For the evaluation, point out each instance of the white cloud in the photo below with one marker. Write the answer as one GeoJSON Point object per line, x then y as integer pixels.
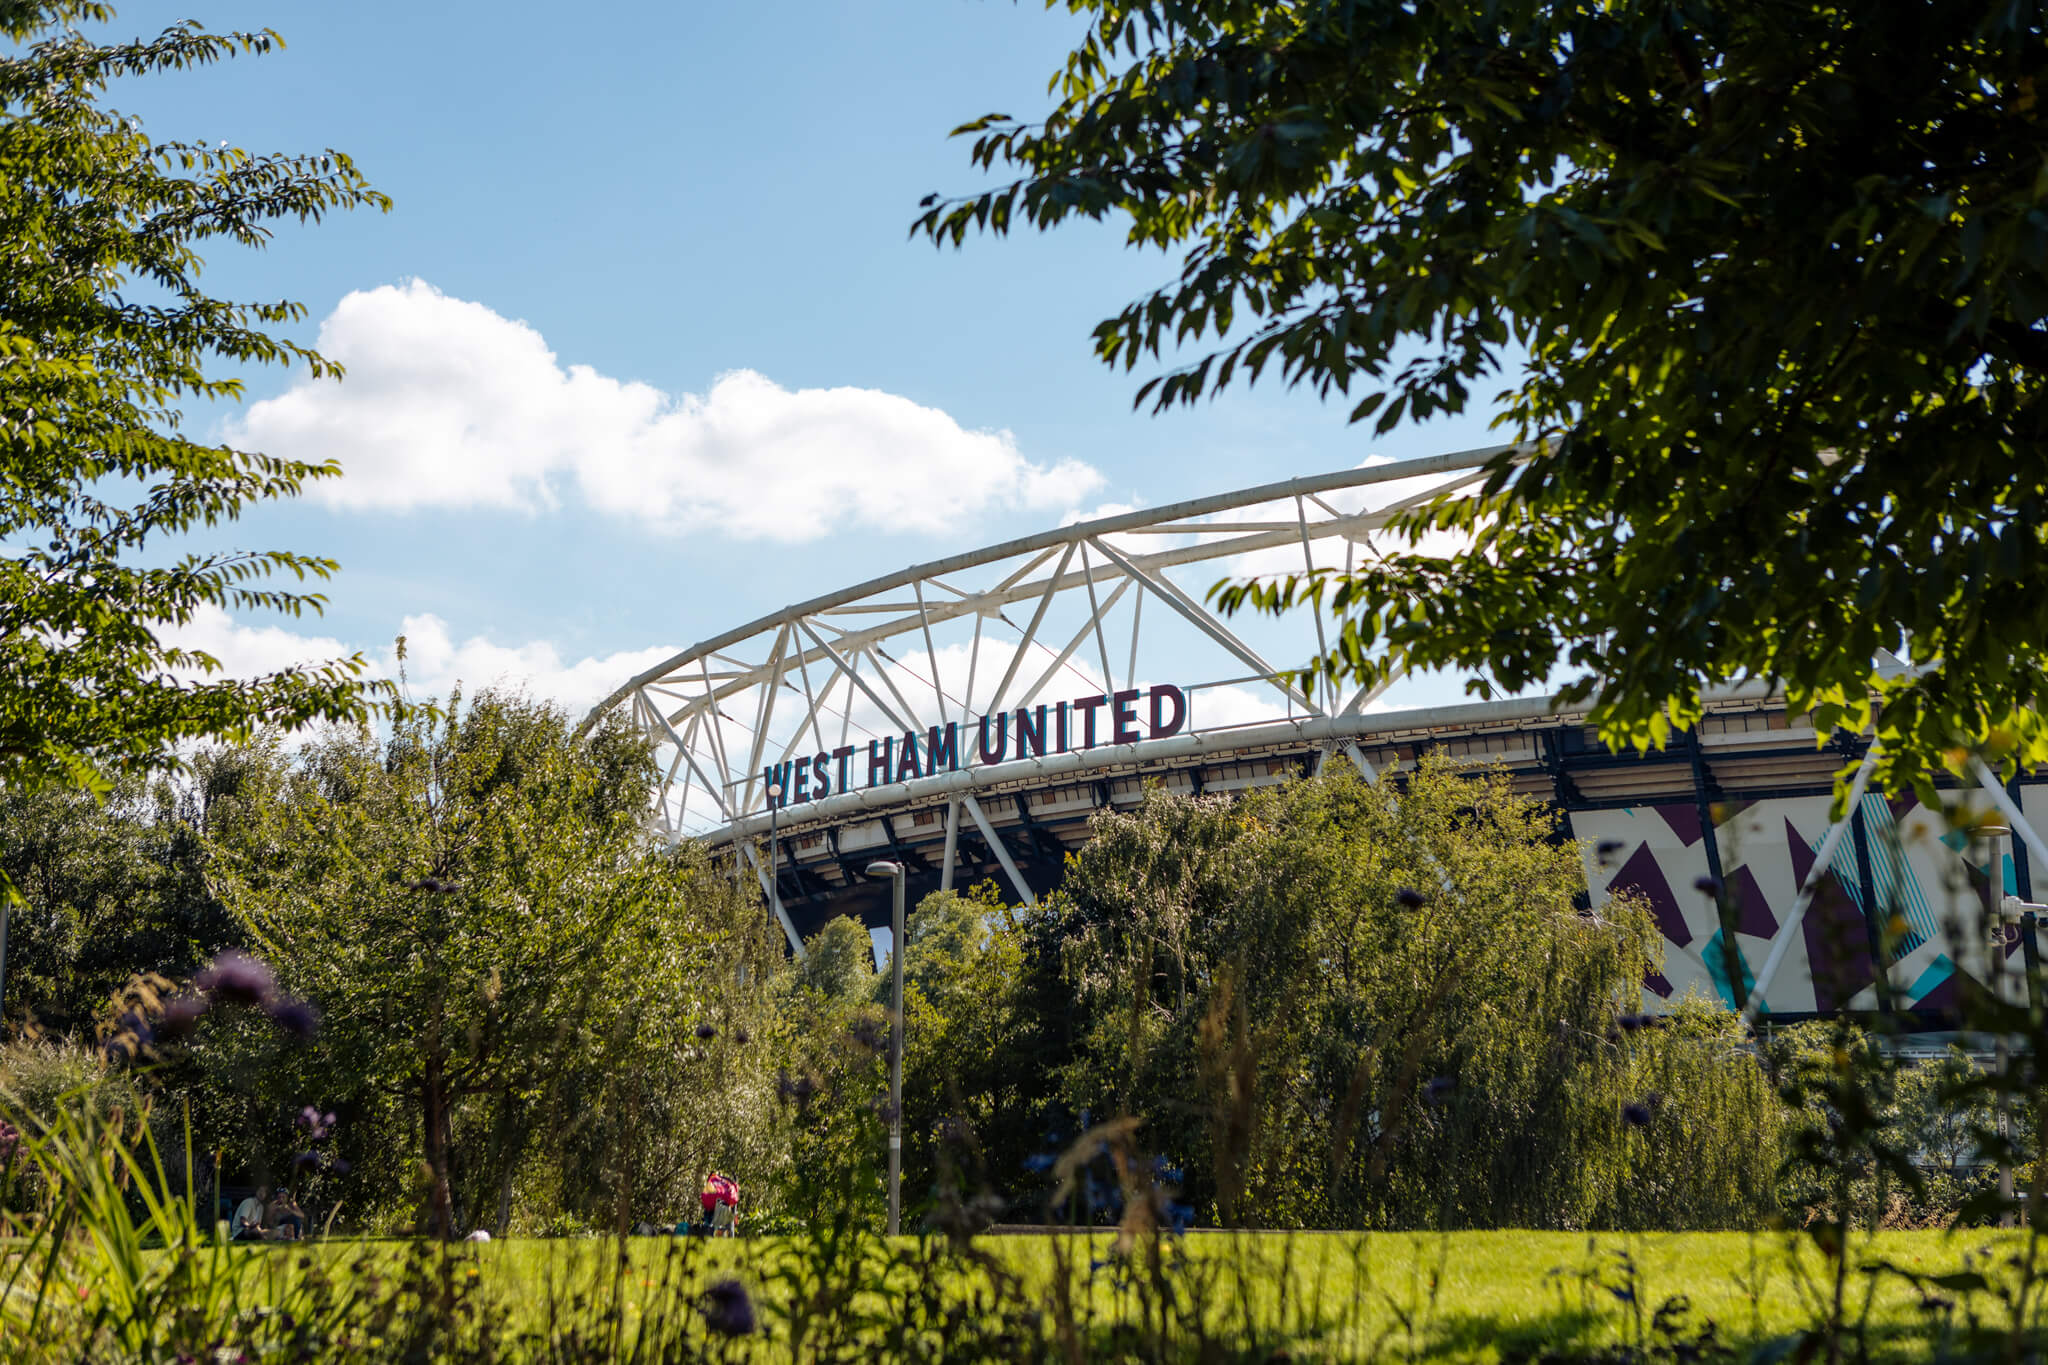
{"type": "Point", "coordinates": [248, 651]}
{"type": "Point", "coordinates": [448, 404]}
{"type": "Point", "coordinates": [435, 660]}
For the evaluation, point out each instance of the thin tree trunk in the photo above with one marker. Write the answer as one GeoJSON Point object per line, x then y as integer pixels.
{"type": "Point", "coordinates": [434, 1092]}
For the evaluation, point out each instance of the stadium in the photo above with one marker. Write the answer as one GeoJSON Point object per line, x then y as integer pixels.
{"type": "Point", "coordinates": [969, 716]}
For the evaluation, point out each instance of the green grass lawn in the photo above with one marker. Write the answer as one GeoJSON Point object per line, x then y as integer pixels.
{"type": "Point", "coordinates": [1458, 1296]}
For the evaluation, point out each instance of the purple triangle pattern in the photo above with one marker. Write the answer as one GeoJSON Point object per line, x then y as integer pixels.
{"type": "Point", "coordinates": [1752, 912]}
{"type": "Point", "coordinates": [1684, 821]}
{"type": "Point", "coordinates": [1642, 875]}
{"type": "Point", "coordinates": [1837, 939]}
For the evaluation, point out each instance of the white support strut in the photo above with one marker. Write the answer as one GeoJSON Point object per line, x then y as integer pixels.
{"type": "Point", "coordinates": [1823, 859]}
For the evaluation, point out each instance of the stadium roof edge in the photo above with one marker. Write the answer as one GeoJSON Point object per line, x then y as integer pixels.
{"type": "Point", "coordinates": [1193, 507]}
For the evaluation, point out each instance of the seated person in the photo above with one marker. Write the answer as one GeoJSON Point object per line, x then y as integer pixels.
{"type": "Point", "coordinates": [721, 1200]}
{"type": "Point", "coordinates": [247, 1224]}
{"type": "Point", "coordinates": [287, 1220]}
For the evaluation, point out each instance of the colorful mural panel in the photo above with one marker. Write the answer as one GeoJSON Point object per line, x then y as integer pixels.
{"type": "Point", "coordinates": [1906, 868]}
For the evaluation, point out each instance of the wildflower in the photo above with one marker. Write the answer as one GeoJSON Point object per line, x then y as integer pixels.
{"type": "Point", "coordinates": [180, 1016]}
{"type": "Point", "coordinates": [706, 1032]}
{"type": "Point", "coordinates": [1632, 1022]}
{"type": "Point", "coordinates": [1636, 1115]}
{"type": "Point", "coordinates": [1408, 898]}
{"type": "Point", "coordinates": [295, 1017]}
{"type": "Point", "coordinates": [304, 1160]}
{"type": "Point", "coordinates": [1707, 886]}
{"type": "Point", "coordinates": [339, 1166]}
{"type": "Point", "coordinates": [729, 1309]}
{"type": "Point", "coordinates": [316, 1124]}
{"type": "Point", "coordinates": [741, 1036]}
{"type": "Point", "coordinates": [236, 976]}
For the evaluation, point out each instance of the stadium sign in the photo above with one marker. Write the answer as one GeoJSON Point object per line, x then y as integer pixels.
{"type": "Point", "coordinates": [1027, 732]}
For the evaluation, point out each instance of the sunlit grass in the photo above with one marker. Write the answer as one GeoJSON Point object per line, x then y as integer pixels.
{"type": "Point", "coordinates": [1456, 1296]}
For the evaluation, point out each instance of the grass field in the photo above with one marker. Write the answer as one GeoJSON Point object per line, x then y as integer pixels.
{"type": "Point", "coordinates": [1458, 1296]}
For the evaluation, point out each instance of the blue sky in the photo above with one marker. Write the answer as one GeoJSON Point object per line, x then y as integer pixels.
{"type": "Point", "coordinates": [644, 350]}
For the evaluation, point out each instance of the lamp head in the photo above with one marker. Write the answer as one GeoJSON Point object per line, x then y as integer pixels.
{"type": "Point", "coordinates": [885, 868]}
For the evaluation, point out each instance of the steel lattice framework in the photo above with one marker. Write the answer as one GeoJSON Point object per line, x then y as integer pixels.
{"type": "Point", "coordinates": [1012, 626]}
{"type": "Point", "coordinates": [885, 712]}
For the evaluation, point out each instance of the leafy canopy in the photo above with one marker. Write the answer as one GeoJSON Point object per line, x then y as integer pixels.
{"type": "Point", "coordinates": [1766, 281]}
{"type": "Point", "coordinates": [104, 333]}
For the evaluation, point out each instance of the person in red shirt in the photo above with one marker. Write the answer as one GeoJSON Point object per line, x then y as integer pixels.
{"type": "Point", "coordinates": [719, 1189]}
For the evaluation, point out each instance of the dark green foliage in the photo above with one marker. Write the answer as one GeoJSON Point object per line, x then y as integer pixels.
{"type": "Point", "coordinates": [1339, 1005]}
{"type": "Point", "coordinates": [104, 333]}
{"type": "Point", "coordinates": [1769, 280]}
{"type": "Point", "coordinates": [110, 886]}
{"type": "Point", "coordinates": [507, 970]}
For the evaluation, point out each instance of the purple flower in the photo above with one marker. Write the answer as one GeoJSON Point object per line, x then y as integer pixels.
{"type": "Point", "coordinates": [1408, 898]}
{"type": "Point", "coordinates": [740, 1035]}
{"type": "Point", "coordinates": [316, 1124]}
{"type": "Point", "coordinates": [1636, 1115]}
{"type": "Point", "coordinates": [1439, 1089]}
{"type": "Point", "coordinates": [234, 975]}
{"type": "Point", "coordinates": [706, 1032]}
{"type": "Point", "coordinates": [295, 1017]}
{"type": "Point", "coordinates": [433, 886]}
{"type": "Point", "coordinates": [1632, 1022]}
{"type": "Point", "coordinates": [729, 1309]}
{"type": "Point", "coordinates": [1607, 850]}
{"type": "Point", "coordinates": [338, 1166]}
{"type": "Point", "coordinates": [180, 1016]}
{"type": "Point", "coordinates": [305, 1159]}
{"type": "Point", "coordinates": [1707, 886]}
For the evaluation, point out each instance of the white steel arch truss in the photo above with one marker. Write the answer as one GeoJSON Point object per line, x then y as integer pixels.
{"type": "Point", "coordinates": [888, 692]}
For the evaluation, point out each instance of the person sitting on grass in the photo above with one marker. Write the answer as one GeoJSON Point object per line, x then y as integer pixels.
{"type": "Point", "coordinates": [247, 1224]}
{"type": "Point", "coordinates": [287, 1219]}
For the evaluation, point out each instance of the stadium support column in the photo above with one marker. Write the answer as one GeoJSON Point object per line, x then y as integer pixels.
{"type": "Point", "coordinates": [1873, 915]}
{"type": "Point", "coordinates": [1000, 849]}
{"type": "Point", "coordinates": [952, 844]}
{"type": "Point", "coordinates": [1738, 992]}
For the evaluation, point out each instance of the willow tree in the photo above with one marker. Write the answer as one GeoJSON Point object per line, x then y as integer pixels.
{"type": "Point", "coordinates": [1337, 1004]}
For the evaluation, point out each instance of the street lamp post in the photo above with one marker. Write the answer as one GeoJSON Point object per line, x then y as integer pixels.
{"type": "Point", "coordinates": [774, 872]}
{"type": "Point", "coordinates": [1994, 898]}
{"type": "Point", "coordinates": [894, 872]}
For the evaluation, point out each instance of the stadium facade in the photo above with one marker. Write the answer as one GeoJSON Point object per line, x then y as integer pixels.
{"type": "Point", "coordinates": [968, 717]}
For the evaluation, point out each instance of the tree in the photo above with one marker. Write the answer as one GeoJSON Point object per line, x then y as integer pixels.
{"type": "Point", "coordinates": [104, 333]}
{"type": "Point", "coordinates": [507, 969]}
{"type": "Point", "coordinates": [1767, 281]}
{"type": "Point", "coordinates": [1339, 1005]}
{"type": "Point", "coordinates": [839, 960]}
{"type": "Point", "coordinates": [113, 885]}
